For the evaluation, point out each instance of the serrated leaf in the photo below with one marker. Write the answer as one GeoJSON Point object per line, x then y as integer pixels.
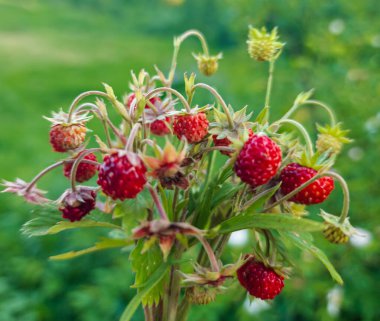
{"type": "Point", "coordinates": [307, 245]}
{"type": "Point", "coordinates": [45, 219]}
{"type": "Point", "coordinates": [132, 211]}
{"type": "Point", "coordinates": [268, 221]}
{"type": "Point", "coordinates": [101, 245]}
{"type": "Point", "coordinates": [144, 264]}
{"type": "Point", "coordinates": [154, 280]}
{"type": "Point", "coordinates": [49, 221]}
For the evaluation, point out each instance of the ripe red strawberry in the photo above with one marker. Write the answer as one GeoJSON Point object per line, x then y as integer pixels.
{"type": "Point", "coordinates": [226, 142]}
{"type": "Point", "coordinates": [222, 142]}
{"type": "Point", "coordinates": [260, 281]}
{"type": "Point", "coordinates": [132, 96]}
{"type": "Point", "coordinates": [84, 171]}
{"type": "Point", "coordinates": [193, 127]}
{"type": "Point", "coordinates": [122, 175]}
{"type": "Point", "coordinates": [64, 137]}
{"type": "Point", "coordinates": [294, 175]}
{"type": "Point", "coordinates": [160, 127]}
{"type": "Point", "coordinates": [258, 160]}
{"type": "Point", "coordinates": [75, 205]}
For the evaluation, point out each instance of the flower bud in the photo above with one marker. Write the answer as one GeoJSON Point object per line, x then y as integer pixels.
{"type": "Point", "coordinates": [331, 139]}
{"type": "Point", "coordinates": [334, 234]}
{"type": "Point", "coordinates": [263, 46]}
{"type": "Point", "coordinates": [200, 295]}
{"type": "Point", "coordinates": [208, 65]}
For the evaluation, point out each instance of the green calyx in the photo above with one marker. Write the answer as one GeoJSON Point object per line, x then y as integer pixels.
{"type": "Point", "coordinates": [221, 126]}
{"type": "Point", "coordinates": [331, 138]}
{"type": "Point", "coordinates": [336, 232]}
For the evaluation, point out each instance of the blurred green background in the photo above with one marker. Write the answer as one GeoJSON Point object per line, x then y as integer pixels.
{"type": "Point", "coordinates": [52, 50]}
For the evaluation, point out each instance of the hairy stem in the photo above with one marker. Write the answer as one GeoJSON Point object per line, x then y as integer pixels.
{"type": "Point", "coordinates": [131, 138]}
{"type": "Point", "coordinates": [177, 45]}
{"type": "Point", "coordinates": [172, 91]}
{"type": "Point", "coordinates": [346, 195]}
{"type": "Point", "coordinates": [269, 88]}
{"type": "Point", "coordinates": [80, 97]}
{"type": "Point", "coordinates": [292, 193]}
{"type": "Point", "coordinates": [41, 174]}
{"type": "Point", "coordinates": [221, 101]}
{"type": "Point", "coordinates": [210, 253]}
{"type": "Point", "coordinates": [302, 130]}
{"type": "Point", "coordinates": [157, 202]}
{"type": "Point", "coordinates": [76, 163]}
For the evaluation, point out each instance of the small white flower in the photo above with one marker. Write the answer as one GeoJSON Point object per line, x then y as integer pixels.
{"type": "Point", "coordinates": [334, 301]}
{"type": "Point", "coordinates": [238, 238]}
{"type": "Point", "coordinates": [361, 239]}
{"type": "Point", "coordinates": [337, 26]}
{"type": "Point", "coordinates": [256, 306]}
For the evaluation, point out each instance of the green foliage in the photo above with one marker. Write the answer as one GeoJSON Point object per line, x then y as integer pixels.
{"type": "Point", "coordinates": [50, 51]}
{"type": "Point", "coordinates": [145, 289]}
{"type": "Point", "coordinates": [268, 221]}
{"type": "Point", "coordinates": [145, 264]}
{"type": "Point", "coordinates": [304, 243]}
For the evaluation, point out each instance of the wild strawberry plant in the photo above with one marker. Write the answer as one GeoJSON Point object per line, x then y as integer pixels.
{"type": "Point", "coordinates": [175, 179]}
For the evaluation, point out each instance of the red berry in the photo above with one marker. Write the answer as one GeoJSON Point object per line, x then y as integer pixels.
{"type": "Point", "coordinates": [160, 127]}
{"type": "Point", "coordinates": [75, 210]}
{"type": "Point", "coordinates": [226, 142]}
{"type": "Point", "coordinates": [193, 127]}
{"type": "Point", "coordinates": [222, 142]}
{"type": "Point", "coordinates": [258, 160]}
{"type": "Point", "coordinates": [294, 175]}
{"type": "Point", "coordinates": [67, 137]}
{"type": "Point", "coordinates": [122, 176]}
{"type": "Point", "coordinates": [260, 281]}
{"type": "Point", "coordinates": [132, 96]}
{"type": "Point", "coordinates": [84, 171]}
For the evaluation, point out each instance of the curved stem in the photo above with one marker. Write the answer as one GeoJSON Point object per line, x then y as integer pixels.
{"type": "Point", "coordinates": [105, 121]}
{"type": "Point", "coordinates": [131, 138]}
{"type": "Point", "coordinates": [292, 193]}
{"type": "Point", "coordinates": [210, 253]}
{"type": "Point", "coordinates": [199, 35]}
{"type": "Point", "coordinates": [220, 99]}
{"type": "Point", "coordinates": [346, 195]}
{"type": "Point", "coordinates": [157, 202]}
{"type": "Point", "coordinates": [302, 130]}
{"type": "Point", "coordinates": [76, 163]}
{"type": "Point", "coordinates": [80, 97]}
{"type": "Point", "coordinates": [172, 91]}
{"type": "Point", "coordinates": [315, 103]}
{"type": "Point", "coordinates": [41, 174]}
{"type": "Point", "coordinates": [325, 107]}
{"type": "Point", "coordinates": [177, 44]}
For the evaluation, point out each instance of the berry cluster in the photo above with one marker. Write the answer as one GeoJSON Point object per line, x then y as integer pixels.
{"type": "Point", "coordinates": [168, 147]}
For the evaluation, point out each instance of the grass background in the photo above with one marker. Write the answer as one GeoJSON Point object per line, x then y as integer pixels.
{"type": "Point", "coordinates": [50, 51]}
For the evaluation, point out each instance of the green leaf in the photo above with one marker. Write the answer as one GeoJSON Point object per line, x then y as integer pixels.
{"type": "Point", "coordinates": [155, 279]}
{"type": "Point", "coordinates": [268, 221]}
{"type": "Point", "coordinates": [259, 200]}
{"type": "Point", "coordinates": [44, 220]}
{"type": "Point", "coordinates": [64, 225]}
{"type": "Point", "coordinates": [101, 245]}
{"type": "Point", "coordinates": [144, 264]}
{"type": "Point", "coordinates": [210, 196]}
{"type": "Point", "coordinates": [49, 221]}
{"type": "Point", "coordinates": [132, 211]}
{"type": "Point", "coordinates": [307, 245]}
